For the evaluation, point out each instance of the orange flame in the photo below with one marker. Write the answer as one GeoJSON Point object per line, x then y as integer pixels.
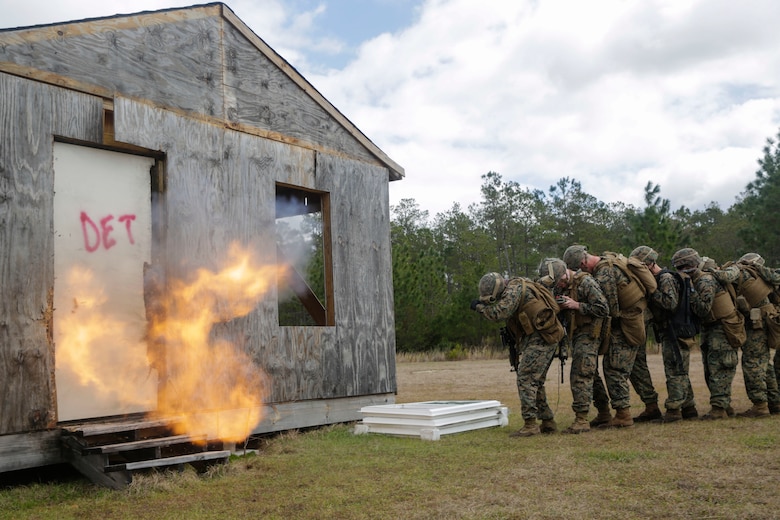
{"type": "Point", "coordinates": [207, 382]}
{"type": "Point", "coordinates": [210, 384]}
{"type": "Point", "coordinates": [86, 330]}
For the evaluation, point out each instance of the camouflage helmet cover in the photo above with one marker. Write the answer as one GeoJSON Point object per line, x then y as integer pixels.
{"type": "Point", "coordinates": [686, 258]}
{"type": "Point", "coordinates": [751, 259]}
{"type": "Point", "coordinates": [645, 254]}
{"type": "Point", "coordinates": [551, 270]}
{"type": "Point", "coordinates": [573, 256]}
{"type": "Point", "coordinates": [491, 286]}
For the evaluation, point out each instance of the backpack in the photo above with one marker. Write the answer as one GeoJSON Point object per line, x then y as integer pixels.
{"type": "Point", "coordinates": [683, 323]}
{"type": "Point", "coordinates": [635, 270]}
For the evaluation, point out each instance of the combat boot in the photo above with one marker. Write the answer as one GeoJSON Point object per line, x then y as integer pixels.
{"type": "Point", "coordinates": [530, 428]}
{"type": "Point", "coordinates": [672, 416]}
{"type": "Point", "coordinates": [622, 419]}
{"type": "Point", "coordinates": [650, 413]}
{"type": "Point", "coordinates": [757, 411]}
{"type": "Point", "coordinates": [548, 426]}
{"type": "Point", "coordinates": [774, 408]}
{"type": "Point", "coordinates": [716, 413]}
{"type": "Point", "coordinates": [603, 417]}
{"type": "Point", "coordinates": [690, 412]}
{"type": "Point", "coordinates": [580, 424]}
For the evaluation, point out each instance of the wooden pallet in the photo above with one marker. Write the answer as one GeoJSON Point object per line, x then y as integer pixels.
{"type": "Point", "coordinates": [109, 452]}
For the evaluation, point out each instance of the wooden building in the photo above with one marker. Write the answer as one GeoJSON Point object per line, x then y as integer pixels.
{"type": "Point", "coordinates": [162, 138]}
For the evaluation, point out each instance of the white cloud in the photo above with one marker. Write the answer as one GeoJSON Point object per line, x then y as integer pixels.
{"type": "Point", "coordinates": [612, 93]}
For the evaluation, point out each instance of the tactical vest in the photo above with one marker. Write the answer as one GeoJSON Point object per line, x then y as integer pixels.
{"type": "Point", "coordinates": [756, 289]}
{"type": "Point", "coordinates": [539, 314]}
{"type": "Point", "coordinates": [630, 294]}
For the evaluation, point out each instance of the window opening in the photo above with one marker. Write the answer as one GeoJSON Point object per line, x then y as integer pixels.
{"type": "Point", "coordinates": [302, 235]}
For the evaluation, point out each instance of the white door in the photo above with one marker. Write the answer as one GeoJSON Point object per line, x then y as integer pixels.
{"type": "Point", "coordinates": [102, 237]}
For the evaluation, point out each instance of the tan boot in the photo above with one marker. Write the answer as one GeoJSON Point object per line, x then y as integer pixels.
{"type": "Point", "coordinates": [603, 417]}
{"type": "Point", "coordinates": [530, 428]}
{"type": "Point", "coordinates": [650, 413]}
{"type": "Point", "coordinates": [623, 418]}
{"type": "Point", "coordinates": [757, 411]}
{"type": "Point", "coordinates": [580, 424]}
{"type": "Point", "coordinates": [548, 426]}
{"type": "Point", "coordinates": [716, 413]}
{"type": "Point", "coordinates": [672, 416]}
{"type": "Point", "coordinates": [730, 412]}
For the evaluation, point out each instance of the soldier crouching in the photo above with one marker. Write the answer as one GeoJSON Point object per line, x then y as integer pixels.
{"type": "Point", "coordinates": [530, 313]}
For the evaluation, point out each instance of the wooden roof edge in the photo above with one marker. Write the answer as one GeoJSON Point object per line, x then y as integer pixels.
{"type": "Point", "coordinates": [396, 171]}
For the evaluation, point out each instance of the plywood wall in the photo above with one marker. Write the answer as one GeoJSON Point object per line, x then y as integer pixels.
{"type": "Point", "coordinates": [30, 114]}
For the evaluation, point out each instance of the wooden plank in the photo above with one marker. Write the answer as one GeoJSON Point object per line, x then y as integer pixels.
{"type": "Point", "coordinates": [31, 114]}
{"type": "Point", "coordinates": [169, 461]}
{"type": "Point", "coordinates": [92, 467]}
{"type": "Point", "coordinates": [30, 450]}
{"type": "Point", "coordinates": [87, 429]}
{"type": "Point", "coordinates": [160, 442]}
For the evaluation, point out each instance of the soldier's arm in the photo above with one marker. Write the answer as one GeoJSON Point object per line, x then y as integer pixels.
{"type": "Point", "coordinates": [703, 296]}
{"type": "Point", "coordinates": [666, 296]}
{"type": "Point", "coordinates": [503, 308]}
{"type": "Point", "coordinates": [592, 300]}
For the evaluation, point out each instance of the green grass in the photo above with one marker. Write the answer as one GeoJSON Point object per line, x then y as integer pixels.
{"type": "Point", "coordinates": [689, 469]}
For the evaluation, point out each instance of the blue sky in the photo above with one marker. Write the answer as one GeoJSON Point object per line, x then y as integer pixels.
{"type": "Point", "coordinates": [612, 93]}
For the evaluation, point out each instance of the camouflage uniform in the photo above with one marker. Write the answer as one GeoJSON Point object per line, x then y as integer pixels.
{"type": "Point", "coordinates": [640, 377]}
{"type": "Point", "coordinates": [718, 356]}
{"type": "Point", "coordinates": [678, 384]}
{"type": "Point", "coordinates": [586, 337]}
{"type": "Point", "coordinates": [755, 351]}
{"type": "Point", "coordinates": [536, 355]}
{"type": "Point", "coordinates": [620, 356]}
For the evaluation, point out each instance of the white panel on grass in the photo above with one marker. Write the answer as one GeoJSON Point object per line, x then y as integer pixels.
{"type": "Point", "coordinates": [431, 419]}
{"type": "Point", "coordinates": [102, 237]}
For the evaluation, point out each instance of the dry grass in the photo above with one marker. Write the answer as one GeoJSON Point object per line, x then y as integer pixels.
{"type": "Point", "coordinates": [692, 469]}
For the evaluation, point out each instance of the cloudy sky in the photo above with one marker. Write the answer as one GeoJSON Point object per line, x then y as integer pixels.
{"type": "Point", "coordinates": [612, 93]}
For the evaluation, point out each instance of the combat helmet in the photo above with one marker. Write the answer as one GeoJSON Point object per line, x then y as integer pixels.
{"type": "Point", "coordinates": [573, 256]}
{"type": "Point", "coordinates": [645, 254]}
{"type": "Point", "coordinates": [686, 259]}
{"type": "Point", "coordinates": [491, 286]}
{"type": "Point", "coordinates": [551, 270]}
{"type": "Point", "coordinates": [751, 259]}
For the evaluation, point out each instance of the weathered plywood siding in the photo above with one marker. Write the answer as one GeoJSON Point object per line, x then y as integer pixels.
{"type": "Point", "coordinates": [30, 115]}
{"type": "Point", "coordinates": [221, 187]}
{"type": "Point", "coordinates": [362, 359]}
{"type": "Point", "coordinates": [173, 58]}
{"type": "Point", "coordinates": [259, 94]}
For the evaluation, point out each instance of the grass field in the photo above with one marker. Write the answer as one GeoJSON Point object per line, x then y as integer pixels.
{"type": "Point", "coordinates": [692, 469]}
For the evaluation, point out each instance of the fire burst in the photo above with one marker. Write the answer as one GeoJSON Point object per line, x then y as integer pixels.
{"type": "Point", "coordinates": [211, 384]}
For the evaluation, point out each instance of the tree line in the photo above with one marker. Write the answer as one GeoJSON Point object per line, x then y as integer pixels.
{"type": "Point", "coordinates": [437, 262]}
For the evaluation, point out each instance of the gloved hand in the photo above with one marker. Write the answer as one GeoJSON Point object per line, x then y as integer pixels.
{"type": "Point", "coordinates": [474, 304]}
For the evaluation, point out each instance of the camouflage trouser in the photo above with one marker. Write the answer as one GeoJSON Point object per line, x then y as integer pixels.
{"type": "Point", "coordinates": [755, 359]}
{"type": "Point", "coordinates": [640, 377]}
{"type": "Point", "coordinates": [531, 374]}
{"type": "Point", "coordinates": [584, 361]}
{"type": "Point", "coordinates": [720, 364]}
{"type": "Point", "coordinates": [772, 390]}
{"type": "Point", "coordinates": [678, 384]}
{"type": "Point", "coordinates": [617, 365]}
